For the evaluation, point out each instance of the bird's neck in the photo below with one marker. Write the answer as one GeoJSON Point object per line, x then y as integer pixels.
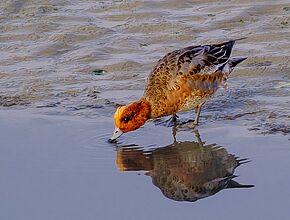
{"type": "Point", "coordinates": [145, 108]}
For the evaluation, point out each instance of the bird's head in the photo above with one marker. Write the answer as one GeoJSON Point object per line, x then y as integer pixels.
{"type": "Point", "coordinates": [130, 117]}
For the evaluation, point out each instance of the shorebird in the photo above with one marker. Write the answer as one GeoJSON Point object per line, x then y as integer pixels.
{"type": "Point", "coordinates": [181, 81]}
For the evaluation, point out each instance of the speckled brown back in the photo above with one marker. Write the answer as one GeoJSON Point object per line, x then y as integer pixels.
{"type": "Point", "coordinates": [185, 78]}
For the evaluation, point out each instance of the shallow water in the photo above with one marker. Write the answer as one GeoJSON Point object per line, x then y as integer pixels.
{"type": "Point", "coordinates": [65, 65]}
{"type": "Point", "coordinates": [59, 168]}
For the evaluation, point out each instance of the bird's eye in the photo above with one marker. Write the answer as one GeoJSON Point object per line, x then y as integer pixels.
{"type": "Point", "coordinates": [126, 118]}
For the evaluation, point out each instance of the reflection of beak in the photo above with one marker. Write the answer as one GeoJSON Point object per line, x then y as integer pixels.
{"type": "Point", "coordinates": [117, 133]}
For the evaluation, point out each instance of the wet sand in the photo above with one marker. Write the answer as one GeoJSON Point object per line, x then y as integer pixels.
{"type": "Point", "coordinates": [83, 58]}
{"type": "Point", "coordinates": [65, 65]}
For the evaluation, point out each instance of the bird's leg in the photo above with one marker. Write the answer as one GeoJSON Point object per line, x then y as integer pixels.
{"type": "Point", "coordinates": [198, 138]}
{"type": "Point", "coordinates": [174, 117]}
{"type": "Point", "coordinates": [172, 121]}
{"type": "Point", "coordinates": [174, 130]}
{"type": "Point", "coordinates": [194, 124]}
{"type": "Point", "coordinates": [197, 113]}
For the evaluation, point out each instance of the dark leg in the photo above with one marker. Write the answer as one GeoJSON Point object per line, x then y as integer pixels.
{"type": "Point", "coordinates": [172, 121]}
{"type": "Point", "coordinates": [174, 130]}
{"type": "Point", "coordinates": [174, 118]}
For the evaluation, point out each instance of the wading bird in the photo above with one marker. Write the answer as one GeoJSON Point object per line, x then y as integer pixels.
{"type": "Point", "coordinates": [181, 81]}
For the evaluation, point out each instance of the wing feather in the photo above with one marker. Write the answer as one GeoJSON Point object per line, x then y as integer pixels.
{"type": "Point", "coordinates": [193, 68]}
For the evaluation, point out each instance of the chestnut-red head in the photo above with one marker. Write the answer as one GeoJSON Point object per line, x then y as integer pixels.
{"type": "Point", "coordinates": [130, 117]}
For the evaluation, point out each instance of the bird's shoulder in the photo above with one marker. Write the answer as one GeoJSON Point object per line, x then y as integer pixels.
{"type": "Point", "coordinates": [187, 62]}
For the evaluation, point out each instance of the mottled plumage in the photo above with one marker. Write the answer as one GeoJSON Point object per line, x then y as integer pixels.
{"type": "Point", "coordinates": [185, 78]}
{"type": "Point", "coordinates": [182, 80]}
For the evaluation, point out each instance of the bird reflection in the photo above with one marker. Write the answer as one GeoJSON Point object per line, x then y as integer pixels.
{"type": "Point", "coordinates": [184, 171]}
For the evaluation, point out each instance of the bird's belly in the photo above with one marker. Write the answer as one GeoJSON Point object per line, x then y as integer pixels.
{"type": "Point", "coordinates": [190, 104]}
{"type": "Point", "coordinates": [193, 101]}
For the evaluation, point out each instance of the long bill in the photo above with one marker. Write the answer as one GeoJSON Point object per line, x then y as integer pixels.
{"type": "Point", "coordinates": [117, 133]}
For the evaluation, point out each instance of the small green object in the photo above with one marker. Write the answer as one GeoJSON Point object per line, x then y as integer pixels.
{"type": "Point", "coordinates": [286, 8]}
{"type": "Point", "coordinates": [99, 72]}
{"type": "Point", "coordinates": [210, 15]}
{"type": "Point", "coordinates": [242, 21]}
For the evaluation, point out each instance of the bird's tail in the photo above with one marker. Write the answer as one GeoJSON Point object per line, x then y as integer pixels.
{"type": "Point", "coordinates": [228, 67]}
{"type": "Point", "coordinates": [235, 61]}
{"type": "Point", "coordinates": [233, 184]}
